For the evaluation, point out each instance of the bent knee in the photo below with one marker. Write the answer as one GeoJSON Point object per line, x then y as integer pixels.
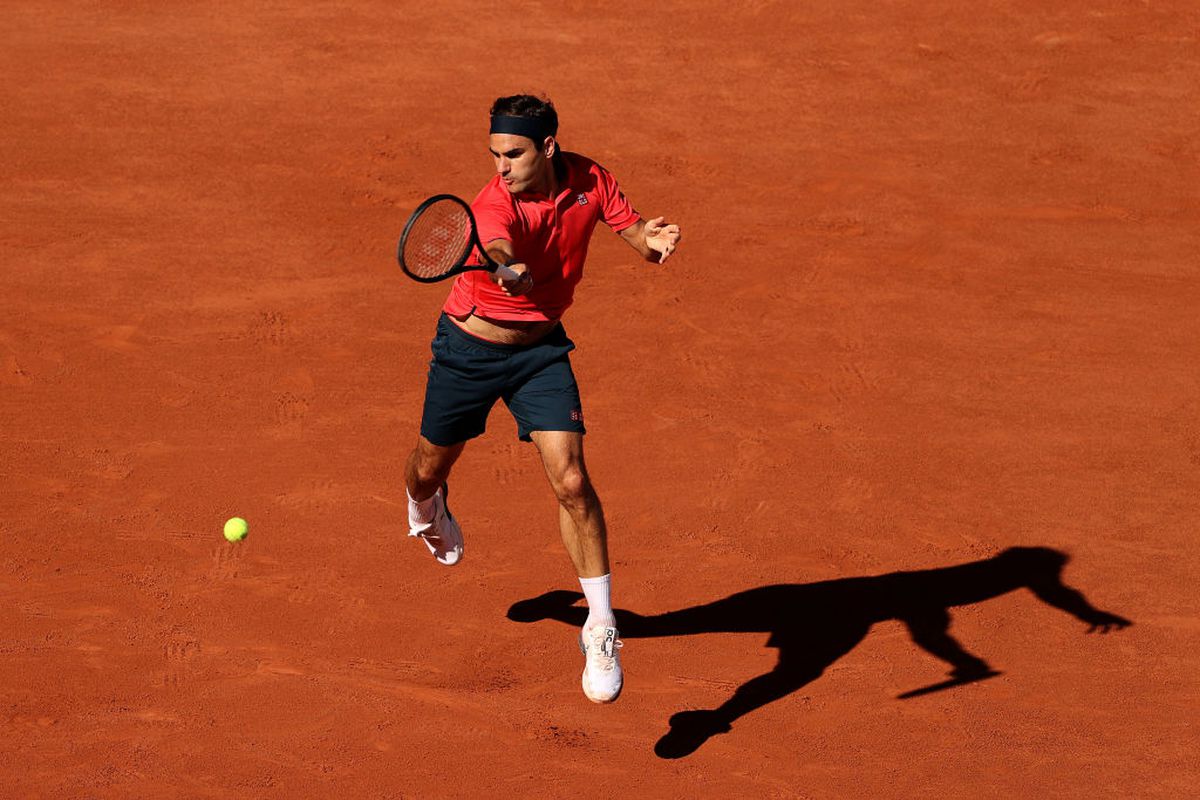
{"type": "Point", "coordinates": [428, 469]}
{"type": "Point", "coordinates": [427, 472]}
{"type": "Point", "coordinates": [573, 488]}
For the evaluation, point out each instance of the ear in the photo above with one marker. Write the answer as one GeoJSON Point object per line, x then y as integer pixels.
{"type": "Point", "coordinates": [550, 146]}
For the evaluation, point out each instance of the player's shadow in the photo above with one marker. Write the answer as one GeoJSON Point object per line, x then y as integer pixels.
{"type": "Point", "coordinates": [814, 624]}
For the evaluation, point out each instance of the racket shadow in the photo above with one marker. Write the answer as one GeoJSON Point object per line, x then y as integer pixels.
{"type": "Point", "coordinates": [812, 625]}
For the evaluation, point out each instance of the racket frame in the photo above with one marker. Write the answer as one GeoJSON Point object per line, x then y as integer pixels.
{"type": "Point", "coordinates": [489, 265]}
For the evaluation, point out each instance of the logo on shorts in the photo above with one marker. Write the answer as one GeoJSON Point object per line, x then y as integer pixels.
{"type": "Point", "coordinates": [577, 415]}
{"type": "Point", "coordinates": [581, 198]}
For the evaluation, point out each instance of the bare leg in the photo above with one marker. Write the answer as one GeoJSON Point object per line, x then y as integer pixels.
{"type": "Point", "coordinates": [429, 466]}
{"type": "Point", "coordinates": [581, 521]}
{"type": "Point", "coordinates": [580, 516]}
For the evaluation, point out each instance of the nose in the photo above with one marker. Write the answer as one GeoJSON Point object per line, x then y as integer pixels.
{"type": "Point", "coordinates": [502, 165]}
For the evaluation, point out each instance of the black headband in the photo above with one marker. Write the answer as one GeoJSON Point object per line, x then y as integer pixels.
{"type": "Point", "coordinates": [528, 127]}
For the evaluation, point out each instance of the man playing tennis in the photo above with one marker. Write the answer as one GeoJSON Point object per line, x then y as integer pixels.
{"type": "Point", "coordinates": [502, 339]}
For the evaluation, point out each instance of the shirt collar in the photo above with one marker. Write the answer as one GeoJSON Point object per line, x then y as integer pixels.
{"type": "Point", "coordinates": [564, 170]}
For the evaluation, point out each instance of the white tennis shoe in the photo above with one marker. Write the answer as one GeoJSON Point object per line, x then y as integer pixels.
{"type": "Point", "coordinates": [442, 536]}
{"type": "Point", "coordinates": [602, 676]}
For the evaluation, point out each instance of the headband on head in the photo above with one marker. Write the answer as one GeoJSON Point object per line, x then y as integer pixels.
{"type": "Point", "coordinates": [528, 127]}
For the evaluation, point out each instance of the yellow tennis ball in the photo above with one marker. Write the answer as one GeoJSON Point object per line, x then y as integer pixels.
{"type": "Point", "coordinates": [236, 529]}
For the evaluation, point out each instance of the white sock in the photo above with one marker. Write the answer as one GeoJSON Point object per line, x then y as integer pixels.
{"type": "Point", "coordinates": [598, 594]}
{"type": "Point", "coordinates": [419, 513]}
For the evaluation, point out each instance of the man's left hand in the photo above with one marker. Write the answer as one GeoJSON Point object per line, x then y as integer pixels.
{"type": "Point", "coordinates": [661, 237]}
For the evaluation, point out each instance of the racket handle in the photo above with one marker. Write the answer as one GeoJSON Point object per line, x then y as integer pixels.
{"type": "Point", "coordinates": [507, 273]}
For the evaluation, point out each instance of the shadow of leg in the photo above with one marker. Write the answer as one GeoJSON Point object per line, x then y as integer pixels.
{"type": "Point", "coordinates": [691, 729]}
{"type": "Point", "coordinates": [805, 651]}
{"type": "Point", "coordinates": [556, 605]}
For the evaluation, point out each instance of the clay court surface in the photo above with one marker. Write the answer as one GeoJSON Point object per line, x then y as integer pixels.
{"type": "Point", "coordinates": [937, 298]}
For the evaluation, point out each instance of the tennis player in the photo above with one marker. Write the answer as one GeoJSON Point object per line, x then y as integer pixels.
{"type": "Point", "coordinates": [503, 339]}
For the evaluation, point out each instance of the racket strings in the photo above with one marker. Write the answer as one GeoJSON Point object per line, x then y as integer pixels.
{"type": "Point", "coordinates": [438, 240]}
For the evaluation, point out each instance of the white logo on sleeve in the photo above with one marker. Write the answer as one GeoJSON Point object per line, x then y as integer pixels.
{"type": "Point", "coordinates": [581, 198]}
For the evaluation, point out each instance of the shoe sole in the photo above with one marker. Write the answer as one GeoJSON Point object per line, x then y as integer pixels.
{"type": "Point", "coordinates": [459, 550]}
{"type": "Point", "coordinates": [449, 516]}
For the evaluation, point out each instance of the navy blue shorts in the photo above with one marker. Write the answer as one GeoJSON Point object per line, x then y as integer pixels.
{"type": "Point", "coordinates": [468, 375]}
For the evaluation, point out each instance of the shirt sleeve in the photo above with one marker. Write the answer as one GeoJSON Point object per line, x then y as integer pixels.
{"type": "Point", "coordinates": [494, 215]}
{"type": "Point", "coordinates": [616, 210]}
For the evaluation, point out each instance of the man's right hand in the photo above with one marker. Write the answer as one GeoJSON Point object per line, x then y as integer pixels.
{"type": "Point", "coordinates": [518, 287]}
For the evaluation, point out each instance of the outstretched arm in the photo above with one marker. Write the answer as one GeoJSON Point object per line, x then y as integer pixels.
{"type": "Point", "coordinates": [655, 239]}
{"type": "Point", "coordinates": [930, 630]}
{"type": "Point", "coordinates": [1061, 596]}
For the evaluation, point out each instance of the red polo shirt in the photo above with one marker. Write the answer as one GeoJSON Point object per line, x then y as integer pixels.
{"type": "Point", "coordinates": [549, 235]}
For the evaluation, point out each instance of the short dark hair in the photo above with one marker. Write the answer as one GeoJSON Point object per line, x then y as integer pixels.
{"type": "Point", "coordinates": [526, 105]}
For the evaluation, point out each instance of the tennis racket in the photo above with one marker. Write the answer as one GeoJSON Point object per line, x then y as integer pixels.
{"type": "Point", "coordinates": [439, 239]}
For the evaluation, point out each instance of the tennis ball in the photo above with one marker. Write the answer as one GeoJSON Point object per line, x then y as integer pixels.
{"type": "Point", "coordinates": [236, 529]}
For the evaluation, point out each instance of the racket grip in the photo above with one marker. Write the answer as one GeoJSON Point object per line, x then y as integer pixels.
{"type": "Point", "coordinates": [507, 273]}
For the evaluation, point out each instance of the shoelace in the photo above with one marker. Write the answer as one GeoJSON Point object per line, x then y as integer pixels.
{"type": "Point", "coordinates": [428, 535]}
{"type": "Point", "coordinates": [607, 661]}
{"type": "Point", "coordinates": [430, 532]}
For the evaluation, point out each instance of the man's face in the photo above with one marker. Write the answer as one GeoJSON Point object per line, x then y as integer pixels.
{"type": "Point", "coordinates": [521, 164]}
